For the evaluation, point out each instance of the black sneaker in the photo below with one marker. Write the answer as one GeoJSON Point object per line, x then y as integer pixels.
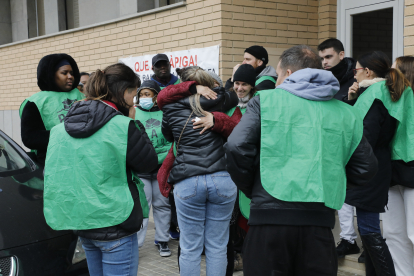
{"type": "Point", "coordinates": [361, 258]}
{"type": "Point", "coordinates": [164, 249]}
{"type": "Point", "coordinates": [346, 248]}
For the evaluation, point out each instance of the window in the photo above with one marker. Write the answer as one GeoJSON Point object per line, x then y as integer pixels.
{"type": "Point", "coordinates": [10, 160]}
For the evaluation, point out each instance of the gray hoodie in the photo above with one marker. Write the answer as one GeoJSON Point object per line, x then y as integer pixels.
{"type": "Point", "coordinates": [268, 71]}
{"type": "Point", "coordinates": [311, 84]}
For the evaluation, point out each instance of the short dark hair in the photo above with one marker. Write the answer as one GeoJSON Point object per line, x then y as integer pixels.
{"type": "Point", "coordinates": [84, 74]}
{"type": "Point", "coordinates": [300, 57]}
{"type": "Point", "coordinates": [334, 43]}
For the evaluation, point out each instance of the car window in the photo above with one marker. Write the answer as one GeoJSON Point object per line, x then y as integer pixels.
{"type": "Point", "coordinates": [10, 160]}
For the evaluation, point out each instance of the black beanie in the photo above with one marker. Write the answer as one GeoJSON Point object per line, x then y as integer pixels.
{"type": "Point", "coordinates": [258, 52]}
{"type": "Point", "coordinates": [245, 73]}
{"type": "Point", "coordinates": [150, 84]}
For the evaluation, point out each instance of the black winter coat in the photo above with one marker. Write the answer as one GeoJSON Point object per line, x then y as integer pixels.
{"type": "Point", "coordinates": [198, 154]}
{"type": "Point", "coordinates": [83, 120]}
{"type": "Point", "coordinates": [345, 75]}
{"type": "Point", "coordinates": [243, 164]}
{"type": "Point", "coordinates": [379, 129]}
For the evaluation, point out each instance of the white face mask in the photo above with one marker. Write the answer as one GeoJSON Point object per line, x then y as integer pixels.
{"type": "Point", "coordinates": [146, 103]}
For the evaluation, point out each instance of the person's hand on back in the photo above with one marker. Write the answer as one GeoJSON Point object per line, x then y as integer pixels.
{"type": "Point", "coordinates": [204, 122]}
{"type": "Point", "coordinates": [206, 92]}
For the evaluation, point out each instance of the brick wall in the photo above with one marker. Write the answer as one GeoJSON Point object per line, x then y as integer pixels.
{"type": "Point", "coordinates": [276, 25]}
{"type": "Point", "coordinates": [327, 19]}
{"type": "Point", "coordinates": [195, 25]}
{"type": "Point", "coordinates": [409, 27]}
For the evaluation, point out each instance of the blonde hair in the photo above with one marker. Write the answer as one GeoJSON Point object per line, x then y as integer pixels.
{"type": "Point", "coordinates": [197, 74]}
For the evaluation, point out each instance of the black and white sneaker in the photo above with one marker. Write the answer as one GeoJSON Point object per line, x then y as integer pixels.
{"type": "Point", "coordinates": [164, 249]}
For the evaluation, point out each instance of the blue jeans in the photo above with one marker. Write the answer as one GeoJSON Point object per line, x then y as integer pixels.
{"type": "Point", "coordinates": [112, 258]}
{"type": "Point", "coordinates": [368, 222]}
{"type": "Point", "coordinates": [204, 205]}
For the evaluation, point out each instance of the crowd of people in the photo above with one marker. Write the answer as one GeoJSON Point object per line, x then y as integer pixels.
{"type": "Point", "coordinates": [249, 173]}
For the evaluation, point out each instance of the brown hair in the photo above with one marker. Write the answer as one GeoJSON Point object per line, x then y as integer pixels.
{"type": "Point", "coordinates": [112, 83]}
{"type": "Point", "coordinates": [197, 74]}
{"type": "Point", "coordinates": [379, 62]}
{"type": "Point", "coordinates": [406, 65]}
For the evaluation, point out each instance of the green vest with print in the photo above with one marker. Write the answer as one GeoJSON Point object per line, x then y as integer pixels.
{"type": "Point", "coordinates": [305, 146]}
{"type": "Point", "coordinates": [263, 78]}
{"type": "Point", "coordinates": [86, 185]}
{"type": "Point", "coordinates": [152, 122]}
{"type": "Point", "coordinates": [402, 110]}
{"type": "Point", "coordinates": [177, 82]}
{"type": "Point", "coordinates": [53, 106]}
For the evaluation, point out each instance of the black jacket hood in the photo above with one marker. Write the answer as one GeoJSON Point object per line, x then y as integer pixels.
{"type": "Point", "coordinates": [46, 72]}
{"type": "Point", "coordinates": [87, 117]}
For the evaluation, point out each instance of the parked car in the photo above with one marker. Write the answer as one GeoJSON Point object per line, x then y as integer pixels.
{"type": "Point", "coordinates": [28, 246]}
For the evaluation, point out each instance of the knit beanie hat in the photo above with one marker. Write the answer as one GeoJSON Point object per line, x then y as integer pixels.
{"type": "Point", "coordinates": [215, 77]}
{"type": "Point", "coordinates": [150, 84]}
{"type": "Point", "coordinates": [245, 73]}
{"type": "Point", "coordinates": [258, 52]}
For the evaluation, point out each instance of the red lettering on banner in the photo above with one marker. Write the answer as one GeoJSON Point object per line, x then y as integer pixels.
{"type": "Point", "coordinates": [135, 67]}
{"type": "Point", "coordinates": [191, 61]}
{"type": "Point", "coordinates": [146, 65]}
{"type": "Point", "coordinates": [180, 61]}
{"type": "Point", "coordinates": [177, 62]}
{"type": "Point", "coordinates": [196, 59]}
{"type": "Point", "coordinates": [185, 61]}
{"type": "Point", "coordinates": [172, 62]}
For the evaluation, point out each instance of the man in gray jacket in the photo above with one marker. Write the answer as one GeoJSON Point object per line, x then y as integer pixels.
{"type": "Point", "coordinates": [284, 155]}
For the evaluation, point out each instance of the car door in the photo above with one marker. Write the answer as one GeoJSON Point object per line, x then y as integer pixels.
{"type": "Point", "coordinates": [21, 198]}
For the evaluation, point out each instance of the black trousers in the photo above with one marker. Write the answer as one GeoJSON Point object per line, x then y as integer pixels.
{"type": "Point", "coordinates": [284, 250]}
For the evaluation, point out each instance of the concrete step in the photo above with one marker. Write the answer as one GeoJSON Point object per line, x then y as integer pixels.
{"type": "Point", "coordinates": [350, 265]}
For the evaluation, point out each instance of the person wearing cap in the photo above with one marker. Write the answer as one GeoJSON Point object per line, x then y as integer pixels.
{"type": "Point", "coordinates": [57, 77]}
{"type": "Point", "coordinates": [150, 115]}
{"type": "Point", "coordinates": [265, 76]}
{"type": "Point", "coordinates": [162, 71]}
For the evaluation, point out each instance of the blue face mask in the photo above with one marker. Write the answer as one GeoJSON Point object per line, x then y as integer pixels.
{"type": "Point", "coordinates": [146, 103]}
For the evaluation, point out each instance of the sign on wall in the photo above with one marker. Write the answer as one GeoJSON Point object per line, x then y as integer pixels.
{"type": "Point", "coordinates": [207, 58]}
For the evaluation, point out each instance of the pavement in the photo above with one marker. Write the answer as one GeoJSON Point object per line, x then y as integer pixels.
{"type": "Point", "coordinates": [152, 264]}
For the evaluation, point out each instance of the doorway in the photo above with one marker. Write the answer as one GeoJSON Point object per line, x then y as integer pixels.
{"type": "Point", "coordinates": [375, 25]}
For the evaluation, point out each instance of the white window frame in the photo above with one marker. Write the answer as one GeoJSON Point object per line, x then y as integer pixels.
{"type": "Point", "coordinates": [347, 8]}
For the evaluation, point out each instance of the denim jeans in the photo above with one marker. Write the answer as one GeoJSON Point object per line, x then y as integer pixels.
{"type": "Point", "coordinates": [204, 206]}
{"type": "Point", "coordinates": [112, 258]}
{"type": "Point", "coordinates": [368, 222]}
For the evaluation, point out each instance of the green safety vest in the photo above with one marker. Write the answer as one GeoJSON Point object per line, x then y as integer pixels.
{"type": "Point", "coordinates": [152, 122]}
{"type": "Point", "coordinates": [300, 158]}
{"type": "Point", "coordinates": [263, 78]}
{"type": "Point", "coordinates": [177, 82]}
{"type": "Point", "coordinates": [402, 110]}
{"type": "Point", "coordinates": [244, 201]}
{"type": "Point", "coordinates": [86, 185]}
{"type": "Point", "coordinates": [53, 106]}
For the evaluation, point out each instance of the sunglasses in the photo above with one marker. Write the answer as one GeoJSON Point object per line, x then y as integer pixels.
{"type": "Point", "coordinates": [355, 70]}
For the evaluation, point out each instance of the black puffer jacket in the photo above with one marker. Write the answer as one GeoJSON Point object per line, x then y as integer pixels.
{"type": "Point", "coordinates": [379, 129]}
{"type": "Point", "coordinates": [243, 164]}
{"type": "Point", "coordinates": [83, 120]}
{"type": "Point", "coordinates": [197, 154]}
{"type": "Point", "coordinates": [343, 71]}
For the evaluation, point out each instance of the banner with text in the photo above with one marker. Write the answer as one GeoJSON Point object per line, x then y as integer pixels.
{"type": "Point", "coordinates": [207, 58]}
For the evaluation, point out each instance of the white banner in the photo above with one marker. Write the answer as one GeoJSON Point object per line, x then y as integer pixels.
{"type": "Point", "coordinates": [207, 58]}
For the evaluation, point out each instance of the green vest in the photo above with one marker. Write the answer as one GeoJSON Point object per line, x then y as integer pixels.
{"type": "Point", "coordinates": [177, 82]}
{"type": "Point", "coordinates": [86, 185]}
{"type": "Point", "coordinates": [152, 122]}
{"type": "Point", "coordinates": [53, 106]}
{"type": "Point", "coordinates": [244, 201]}
{"type": "Point", "coordinates": [305, 146]}
{"type": "Point", "coordinates": [402, 110]}
{"type": "Point", "coordinates": [263, 78]}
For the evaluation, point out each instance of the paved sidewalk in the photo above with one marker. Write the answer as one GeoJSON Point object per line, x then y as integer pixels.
{"type": "Point", "coordinates": [152, 264]}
